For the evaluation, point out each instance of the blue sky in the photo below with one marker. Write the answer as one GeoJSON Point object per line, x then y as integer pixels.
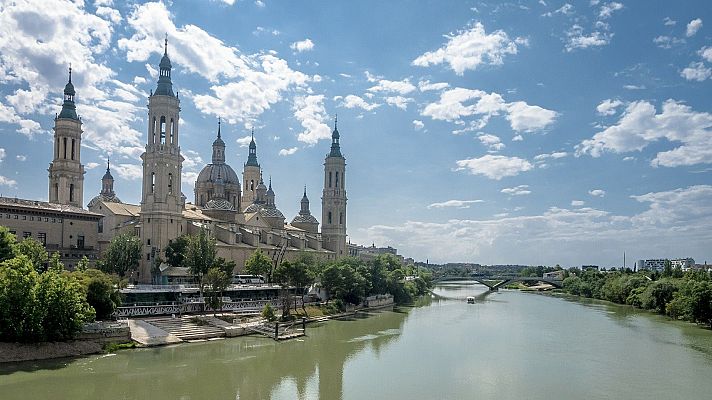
{"type": "Point", "coordinates": [524, 132]}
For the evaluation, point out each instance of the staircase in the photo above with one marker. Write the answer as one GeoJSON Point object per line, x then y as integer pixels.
{"type": "Point", "coordinates": [185, 329]}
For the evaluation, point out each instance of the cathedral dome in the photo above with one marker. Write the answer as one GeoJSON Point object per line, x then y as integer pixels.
{"type": "Point", "coordinates": [211, 172]}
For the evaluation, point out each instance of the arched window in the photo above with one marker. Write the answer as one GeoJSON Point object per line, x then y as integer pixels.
{"type": "Point", "coordinates": [163, 130]}
{"type": "Point", "coordinates": [153, 181]}
{"type": "Point", "coordinates": [329, 178]}
{"type": "Point", "coordinates": [173, 131]}
{"type": "Point", "coordinates": [64, 143]}
{"type": "Point", "coordinates": [337, 180]}
{"type": "Point", "coordinates": [57, 149]}
{"type": "Point", "coordinates": [170, 183]}
{"type": "Point", "coordinates": [56, 191]}
{"type": "Point", "coordinates": [252, 185]}
{"type": "Point", "coordinates": [202, 200]}
{"type": "Point", "coordinates": [341, 218]}
{"type": "Point", "coordinates": [329, 217]}
{"type": "Point", "coordinates": [153, 131]}
{"type": "Point", "coordinates": [72, 149]}
{"type": "Point", "coordinates": [71, 192]}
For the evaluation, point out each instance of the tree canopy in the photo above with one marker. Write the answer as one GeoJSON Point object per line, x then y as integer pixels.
{"type": "Point", "coordinates": [122, 255]}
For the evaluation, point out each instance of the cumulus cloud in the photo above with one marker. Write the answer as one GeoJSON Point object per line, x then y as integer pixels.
{"type": "Point", "coordinates": [566, 9]}
{"type": "Point", "coordinates": [493, 142]}
{"type": "Point", "coordinates": [244, 141]}
{"type": "Point", "coordinates": [4, 181]}
{"type": "Point", "coordinates": [706, 53]}
{"type": "Point", "coordinates": [675, 221]}
{"type": "Point", "coordinates": [693, 26]}
{"type": "Point", "coordinates": [302, 45]}
{"type": "Point", "coordinates": [129, 172]}
{"type": "Point", "coordinates": [425, 86]}
{"type": "Point", "coordinates": [3, 153]}
{"type": "Point", "coordinates": [288, 152]}
{"type": "Point", "coordinates": [494, 166]}
{"type": "Point", "coordinates": [666, 42]}
{"type": "Point", "coordinates": [597, 192]}
{"type": "Point", "coordinates": [468, 49]}
{"type": "Point", "coordinates": [696, 71]}
{"type": "Point", "coordinates": [640, 126]}
{"type": "Point", "coordinates": [21, 157]}
{"type": "Point", "coordinates": [608, 107]}
{"type": "Point", "coordinates": [310, 112]}
{"type": "Point", "coordinates": [454, 204]}
{"type": "Point", "coordinates": [401, 87]}
{"type": "Point", "coordinates": [418, 125]}
{"type": "Point", "coordinates": [576, 39]}
{"type": "Point", "coordinates": [456, 103]}
{"type": "Point", "coordinates": [608, 9]}
{"type": "Point", "coordinates": [577, 203]}
{"type": "Point", "coordinates": [520, 190]}
{"type": "Point", "coordinates": [353, 101]}
{"type": "Point", "coordinates": [550, 156]}
{"type": "Point", "coordinates": [398, 101]}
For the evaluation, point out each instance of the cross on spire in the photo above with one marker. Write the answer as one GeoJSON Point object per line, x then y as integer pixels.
{"type": "Point", "coordinates": [70, 72]}
{"type": "Point", "coordinates": [165, 45]}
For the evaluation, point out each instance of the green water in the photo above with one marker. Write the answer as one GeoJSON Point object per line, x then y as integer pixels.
{"type": "Point", "coordinates": [509, 345]}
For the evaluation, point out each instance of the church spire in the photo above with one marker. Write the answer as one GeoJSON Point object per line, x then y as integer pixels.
{"type": "Point", "coordinates": [69, 109]}
{"type": "Point", "coordinates": [335, 148]}
{"type": "Point", "coordinates": [165, 86]}
{"type": "Point", "coordinates": [252, 156]}
{"type": "Point", "coordinates": [218, 148]}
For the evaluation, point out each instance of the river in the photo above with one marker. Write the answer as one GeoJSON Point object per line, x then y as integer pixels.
{"type": "Point", "coordinates": [509, 345]}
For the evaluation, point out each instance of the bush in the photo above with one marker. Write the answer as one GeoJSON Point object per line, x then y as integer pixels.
{"type": "Point", "coordinates": [268, 313]}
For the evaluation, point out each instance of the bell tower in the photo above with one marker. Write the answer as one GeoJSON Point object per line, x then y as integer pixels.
{"type": "Point", "coordinates": [162, 200]}
{"type": "Point", "coordinates": [66, 173]}
{"type": "Point", "coordinates": [333, 200]}
{"type": "Point", "coordinates": [251, 175]}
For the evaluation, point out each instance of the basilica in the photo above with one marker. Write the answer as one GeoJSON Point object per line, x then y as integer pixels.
{"type": "Point", "coordinates": [242, 217]}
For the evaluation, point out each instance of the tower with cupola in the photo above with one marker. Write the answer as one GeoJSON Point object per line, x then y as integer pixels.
{"type": "Point", "coordinates": [251, 175]}
{"type": "Point", "coordinates": [162, 201]}
{"type": "Point", "coordinates": [66, 172]}
{"type": "Point", "coordinates": [333, 200]}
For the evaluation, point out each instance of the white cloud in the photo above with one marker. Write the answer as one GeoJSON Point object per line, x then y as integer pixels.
{"type": "Point", "coordinates": [494, 166]}
{"type": "Point", "coordinates": [452, 107]}
{"type": "Point", "coordinates": [492, 142]}
{"type": "Point", "coordinates": [566, 9]}
{"type": "Point", "coordinates": [597, 192]}
{"type": "Point", "coordinates": [551, 156]}
{"type": "Point", "coordinates": [4, 181]}
{"type": "Point", "coordinates": [21, 157]}
{"type": "Point", "coordinates": [2, 154]}
{"type": "Point", "coordinates": [468, 49]}
{"type": "Point", "coordinates": [577, 203]}
{"type": "Point", "coordinates": [696, 71]}
{"type": "Point", "coordinates": [192, 160]}
{"type": "Point", "coordinates": [418, 125]}
{"type": "Point", "coordinates": [425, 86]}
{"type": "Point", "coordinates": [244, 141]}
{"type": "Point", "coordinates": [288, 152]}
{"type": "Point", "coordinates": [91, 165]}
{"type": "Point", "coordinates": [129, 172]}
{"type": "Point", "coordinates": [310, 112]}
{"type": "Point", "coordinates": [669, 22]}
{"type": "Point", "coordinates": [353, 101]}
{"type": "Point", "coordinates": [302, 45]}
{"type": "Point", "coordinates": [693, 26]}
{"type": "Point", "coordinates": [634, 87]}
{"type": "Point", "coordinates": [520, 190]}
{"type": "Point", "coordinates": [676, 222]}
{"type": "Point", "coordinates": [576, 39]}
{"type": "Point", "coordinates": [608, 107]}
{"type": "Point", "coordinates": [608, 9]}
{"type": "Point", "coordinates": [640, 125]}
{"type": "Point", "coordinates": [398, 101]}
{"type": "Point", "coordinates": [518, 138]}
{"type": "Point", "coordinates": [400, 87]}
{"type": "Point", "coordinates": [666, 42]}
{"type": "Point", "coordinates": [454, 204]}
{"type": "Point", "coordinates": [706, 53]}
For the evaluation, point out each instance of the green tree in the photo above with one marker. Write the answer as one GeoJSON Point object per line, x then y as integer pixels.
{"type": "Point", "coordinates": [216, 282]}
{"type": "Point", "coordinates": [176, 251]}
{"type": "Point", "coordinates": [63, 301]}
{"type": "Point", "coordinates": [102, 296]}
{"type": "Point", "coordinates": [259, 264]}
{"type": "Point", "coordinates": [200, 255]}
{"type": "Point", "coordinates": [122, 255]}
{"type": "Point", "coordinates": [20, 314]}
{"type": "Point", "coordinates": [228, 266]}
{"type": "Point", "coordinates": [8, 244]}
{"type": "Point", "coordinates": [268, 313]}
{"type": "Point", "coordinates": [83, 264]}
{"type": "Point", "coordinates": [35, 251]}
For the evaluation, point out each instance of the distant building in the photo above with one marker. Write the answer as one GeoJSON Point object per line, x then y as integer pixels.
{"type": "Point", "coordinates": [658, 264]}
{"type": "Point", "coordinates": [558, 275]}
{"type": "Point", "coordinates": [370, 253]}
{"type": "Point", "coordinates": [587, 267]}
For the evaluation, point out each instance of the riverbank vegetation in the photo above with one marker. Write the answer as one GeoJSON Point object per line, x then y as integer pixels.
{"type": "Point", "coordinates": [40, 301]}
{"type": "Point", "coordinates": [680, 295]}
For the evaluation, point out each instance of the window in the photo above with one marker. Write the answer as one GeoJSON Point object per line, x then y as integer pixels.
{"type": "Point", "coordinates": [57, 147]}
{"type": "Point", "coordinates": [24, 217]}
{"type": "Point", "coordinates": [170, 183]}
{"type": "Point", "coordinates": [329, 178]}
{"type": "Point", "coordinates": [72, 149]}
{"type": "Point", "coordinates": [32, 218]}
{"type": "Point", "coordinates": [26, 235]}
{"type": "Point", "coordinates": [16, 216]}
{"type": "Point", "coordinates": [80, 241]}
{"type": "Point", "coordinates": [13, 232]}
{"type": "Point", "coordinates": [148, 242]}
{"type": "Point", "coordinates": [148, 256]}
{"type": "Point", "coordinates": [101, 225]}
{"type": "Point", "coordinates": [64, 141]}
{"type": "Point", "coordinates": [341, 218]}
{"type": "Point", "coordinates": [42, 238]}
{"type": "Point", "coordinates": [153, 181]}
{"type": "Point", "coordinates": [155, 128]}
{"type": "Point", "coordinates": [46, 219]}
{"type": "Point", "coordinates": [329, 217]}
{"type": "Point", "coordinates": [163, 130]}
{"type": "Point", "coordinates": [71, 192]}
{"type": "Point", "coordinates": [337, 180]}
{"type": "Point", "coordinates": [54, 220]}
{"type": "Point", "coordinates": [252, 185]}
{"type": "Point", "coordinates": [172, 131]}
{"type": "Point", "coordinates": [56, 191]}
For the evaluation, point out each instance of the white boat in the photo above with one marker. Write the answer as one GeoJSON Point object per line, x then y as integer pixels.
{"type": "Point", "coordinates": [470, 300]}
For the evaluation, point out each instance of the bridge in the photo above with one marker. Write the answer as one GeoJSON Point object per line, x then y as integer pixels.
{"type": "Point", "coordinates": [496, 282]}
